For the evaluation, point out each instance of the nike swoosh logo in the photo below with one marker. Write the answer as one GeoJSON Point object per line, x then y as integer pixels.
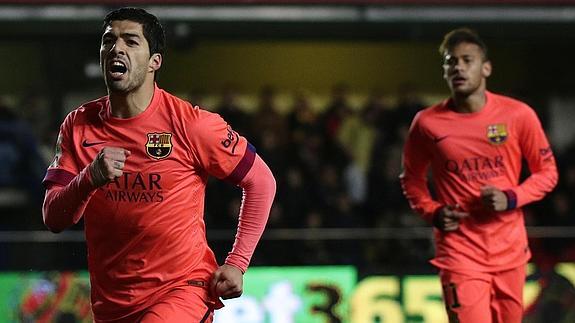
{"type": "Point", "coordinates": [438, 139]}
{"type": "Point", "coordinates": [85, 143]}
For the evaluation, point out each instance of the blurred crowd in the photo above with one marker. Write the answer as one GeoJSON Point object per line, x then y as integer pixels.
{"type": "Point", "coordinates": [336, 167]}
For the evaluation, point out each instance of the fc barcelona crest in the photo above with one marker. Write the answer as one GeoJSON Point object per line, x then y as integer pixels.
{"type": "Point", "coordinates": [497, 133]}
{"type": "Point", "coordinates": [159, 145]}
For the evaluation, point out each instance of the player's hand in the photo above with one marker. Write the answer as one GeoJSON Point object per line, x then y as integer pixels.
{"type": "Point", "coordinates": [493, 198]}
{"type": "Point", "coordinates": [227, 282]}
{"type": "Point", "coordinates": [108, 165]}
{"type": "Point", "coordinates": [448, 217]}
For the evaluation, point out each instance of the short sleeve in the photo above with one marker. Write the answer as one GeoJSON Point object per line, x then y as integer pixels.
{"type": "Point", "coordinates": [219, 149]}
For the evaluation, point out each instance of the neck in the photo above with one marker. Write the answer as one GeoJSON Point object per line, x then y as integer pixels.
{"type": "Point", "coordinates": [131, 104]}
{"type": "Point", "coordinates": [469, 103]}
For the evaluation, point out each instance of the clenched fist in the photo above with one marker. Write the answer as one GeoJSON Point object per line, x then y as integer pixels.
{"type": "Point", "coordinates": [493, 198]}
{"type": "Point", "coordinates": [227, 282]}
{"type": "Point", "coordinates": [108, 165]}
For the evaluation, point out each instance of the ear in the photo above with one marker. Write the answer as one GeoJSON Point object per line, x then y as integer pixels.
{"type": "Point", "coordinates": [486, 69]}
{"type": "Point", "coordinates": [155, 62]}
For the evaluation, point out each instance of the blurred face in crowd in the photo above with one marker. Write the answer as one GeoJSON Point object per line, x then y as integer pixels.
{"type": "Point", "coordinates": [465, 69]}
{"type": "Point", "coordinates": [125, 57]}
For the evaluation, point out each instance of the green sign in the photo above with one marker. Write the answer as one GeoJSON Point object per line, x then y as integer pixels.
{"type": "Point", "coordinates": [292, 294]}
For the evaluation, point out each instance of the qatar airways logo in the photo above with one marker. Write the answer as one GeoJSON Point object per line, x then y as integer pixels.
{"type": "Point", "coordinates": [477, 168]}
{"type": "Point", "coordinates": [135, 188]}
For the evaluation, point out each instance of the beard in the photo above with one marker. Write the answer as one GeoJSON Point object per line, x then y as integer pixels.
{"type": "Point", "coordinates": [134, 80]}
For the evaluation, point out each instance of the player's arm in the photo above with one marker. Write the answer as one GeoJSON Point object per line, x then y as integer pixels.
{"type": "Point", "coordinates": [259, 188]}
{"type": "Point", "coordinates": [223, 153]}
{"type": "Point", "coordinates": [415, 164]}
{"type": "Point", "coordinates": [64, 204]}
{"type": "Point", "coordinates": [540, 160]}
{"type": "Point", "coordinates": [67, 195]}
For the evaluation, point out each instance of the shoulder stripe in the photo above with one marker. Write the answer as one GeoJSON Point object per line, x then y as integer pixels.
{"type": "Point", "coordinates": [243, 166]}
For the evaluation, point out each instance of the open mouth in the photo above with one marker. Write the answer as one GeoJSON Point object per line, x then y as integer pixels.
{"type": "Point", "coordinates": [117, 69]}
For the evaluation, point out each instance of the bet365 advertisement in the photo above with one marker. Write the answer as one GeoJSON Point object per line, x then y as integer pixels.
{"type": "Point", "coordinates": [292, 294]}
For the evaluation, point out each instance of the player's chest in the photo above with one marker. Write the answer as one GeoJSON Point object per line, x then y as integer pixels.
{"type": "Point", "coordinates": [157, 148]}
{"type": "Point", "coordinates": [459, 138]}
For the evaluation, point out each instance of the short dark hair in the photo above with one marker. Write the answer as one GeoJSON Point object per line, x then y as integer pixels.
{"type": "Point", "coordinates": [151, 26]}
{"type": "Point", "coordinates": [462, 35]}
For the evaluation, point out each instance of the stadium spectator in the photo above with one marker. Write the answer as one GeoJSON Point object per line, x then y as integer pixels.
{"type": "Point", "coordinates": [356, 136]}
{"type": "Point", "coordinates": [20, 174]}
{"type": "Point", "coordinates": [337, 110]}
{"type": "Point", "coordinates": [269, 129]}
{"type": "Point", "coordinates": [408, 103]}
{"type": "Point", "coordinates": [231, 110]}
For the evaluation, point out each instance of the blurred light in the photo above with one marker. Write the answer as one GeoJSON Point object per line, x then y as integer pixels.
{"type": "Point", "coordinates": [303, 13]}
{"type": "Point", "coordinates": [92, 70]}
{"type": "Point", "coordinates": [182, 30]}
{"type": "Point", "coordinates": [479, 14]}
{"type": "Point", "coordinates": [53, 12]}
{"type": "Point", "coordinates": [260, 13]}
